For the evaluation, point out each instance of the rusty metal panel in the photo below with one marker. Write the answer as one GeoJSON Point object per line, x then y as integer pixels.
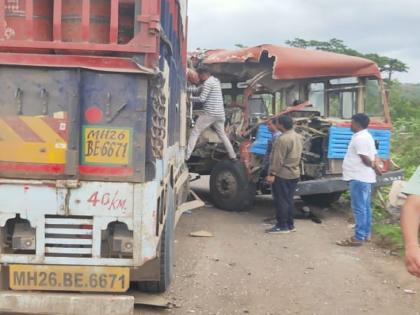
{"type": "Point", "coordinates": [292, 63]}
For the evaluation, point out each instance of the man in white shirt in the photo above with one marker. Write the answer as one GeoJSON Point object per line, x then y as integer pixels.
{"type": "Point", "coordinates": [359, 169]}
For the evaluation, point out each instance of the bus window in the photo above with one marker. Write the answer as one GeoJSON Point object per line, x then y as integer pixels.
{"type": "Point", "coordinates": [240, 99]}
{"type": "Point", "coordinates": [373, 99]}
{"type": "Point", "coordinates": [227, 99]}
{"type": "Point", "coordinates": [279, 102]}
{"type": "Point", "coordinates": [268, 102]}
{"type": "Point", "coordinates": [292, 95]}
{"type": "Point", "coordinates": [317, 97]}
{"type": "Point", "coordinates": [334, 104]}
{"type": "Point", "coordinates": [258, 106]}
{"type": "Point", "coordinates": [349, 80]}
{"type": "Point", "coordinates": [342, 104]}
{"type": "Point", "coordinates": [348, 104]}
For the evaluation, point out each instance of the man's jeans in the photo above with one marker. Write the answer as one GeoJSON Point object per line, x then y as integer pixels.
{"type": "Point", "coordinates": [283, 192]}
{"type": "Point", "coordinates": [361, 204]}
{"type": "Point", "coordinates": [218, 123]}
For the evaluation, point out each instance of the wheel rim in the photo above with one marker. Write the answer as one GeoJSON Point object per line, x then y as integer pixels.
{"type": "Point", "coordinates": [226, 184]}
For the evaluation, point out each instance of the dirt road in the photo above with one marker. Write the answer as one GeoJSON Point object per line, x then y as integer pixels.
{"type": "Point", "coordinates": [242, 270]}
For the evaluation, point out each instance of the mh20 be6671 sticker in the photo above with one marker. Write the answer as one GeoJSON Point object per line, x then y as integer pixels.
{"type": "Point", "coordinates": [105, 145]}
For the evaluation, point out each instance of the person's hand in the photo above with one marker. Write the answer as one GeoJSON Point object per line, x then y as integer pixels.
{"type": "Point", "coordinates": [270, 180]}
{"type": "Point", "coordinates": [412, 260]}
{"type": "Point", "coordinates": [378, 170]}
{"type": "Point", "coordinates": [378, 166]}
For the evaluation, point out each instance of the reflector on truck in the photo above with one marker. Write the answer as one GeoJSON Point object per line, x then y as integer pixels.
{"type": "Point", "coordinates": [32, 139]}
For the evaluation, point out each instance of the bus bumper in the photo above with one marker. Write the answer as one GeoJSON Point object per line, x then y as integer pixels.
{"type": "Point", "coordinates": [336, 184]}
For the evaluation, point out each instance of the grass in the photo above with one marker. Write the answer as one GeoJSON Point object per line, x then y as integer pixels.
{"type": "Point", "coordinates": [386, 228]}
{"type": "Point", "coordinates": [389, 236]}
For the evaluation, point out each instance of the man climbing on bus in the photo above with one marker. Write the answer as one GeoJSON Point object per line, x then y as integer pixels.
{"type": "Point", "coordinates": [210, 95]}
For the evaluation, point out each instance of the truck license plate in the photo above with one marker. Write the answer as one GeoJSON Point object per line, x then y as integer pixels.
{"type": "Point", "coordinates": [69, 278]}
{"type": "Point", "coordinates": [106, 146]}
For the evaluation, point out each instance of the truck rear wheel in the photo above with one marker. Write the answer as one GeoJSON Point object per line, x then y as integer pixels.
{"type": "Point", "coordinates": [166, 253]}
{"type": "Point", "coordinates": [322, 200]}
{"type": "Point", "coordinates": [230, 188]}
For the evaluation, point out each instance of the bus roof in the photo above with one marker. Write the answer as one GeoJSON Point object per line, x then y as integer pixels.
{"type": "Point", "coordinates": [296, 63]}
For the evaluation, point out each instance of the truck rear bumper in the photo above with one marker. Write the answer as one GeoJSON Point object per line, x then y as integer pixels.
{"type": "Point", "coordinates": [65, 303]}
{"type": "Point", "coordinates": [336, 184]}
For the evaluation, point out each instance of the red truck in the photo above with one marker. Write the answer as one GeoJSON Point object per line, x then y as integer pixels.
{"type": "Point", "coordinates": [92, 137]}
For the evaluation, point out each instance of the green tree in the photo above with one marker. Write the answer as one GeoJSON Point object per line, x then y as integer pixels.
{"type": "Point", "coordinates": [405, 115]}
{"type": "Point", "coordinates": [386, 65]}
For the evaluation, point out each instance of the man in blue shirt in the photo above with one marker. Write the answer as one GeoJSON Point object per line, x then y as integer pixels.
{"type": "Point", "coordinates": [266, 161]}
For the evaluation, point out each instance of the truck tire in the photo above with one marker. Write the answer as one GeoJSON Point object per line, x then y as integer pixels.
{"type": "Point", "coordinates": [166, 253]}
{"type": "Point", "coordinates": [230, 189]}
{"type": "Point", "coordinates": [322, 200]}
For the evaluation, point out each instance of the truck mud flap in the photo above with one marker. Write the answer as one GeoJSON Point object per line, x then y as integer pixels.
{"type": "Point", "coordinates": [194, 202]}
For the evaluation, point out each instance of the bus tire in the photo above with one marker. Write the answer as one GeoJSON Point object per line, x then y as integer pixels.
{"type": "Point", "coordinates": [321, 200]}
{"type": "Point", "coordinates": [230, 188]}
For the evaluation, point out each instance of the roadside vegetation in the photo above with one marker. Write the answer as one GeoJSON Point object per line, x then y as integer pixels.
{"type": "Point", "coordinates": [405, 113]}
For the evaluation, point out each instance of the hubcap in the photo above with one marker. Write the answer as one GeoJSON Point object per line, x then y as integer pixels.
{"type": "Point", "coordinates": [226, 184]}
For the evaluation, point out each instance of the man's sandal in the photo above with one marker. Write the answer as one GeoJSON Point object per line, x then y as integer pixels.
{"type": "Point", "coordinates": [350, 242]}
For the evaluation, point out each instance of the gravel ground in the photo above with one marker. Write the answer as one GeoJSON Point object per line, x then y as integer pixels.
{"type": "Point", "coordinates": [242, 270]}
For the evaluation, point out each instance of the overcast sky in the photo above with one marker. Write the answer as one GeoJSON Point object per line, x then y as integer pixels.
{"type": "Point", "coordinates": [387, 27]}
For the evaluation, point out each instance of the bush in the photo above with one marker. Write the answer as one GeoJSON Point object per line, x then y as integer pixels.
{"type": "Point", "coordinates": [405, 114]}
{"type": "Point", "coordinates": [405, 152]}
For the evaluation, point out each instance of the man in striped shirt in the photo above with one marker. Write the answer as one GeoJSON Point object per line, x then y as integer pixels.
{"type": "Point", "coordinates": [210, 94]}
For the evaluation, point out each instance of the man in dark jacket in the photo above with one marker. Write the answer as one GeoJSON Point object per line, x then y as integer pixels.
{"type": "Point", "coordinates": [284, 174]}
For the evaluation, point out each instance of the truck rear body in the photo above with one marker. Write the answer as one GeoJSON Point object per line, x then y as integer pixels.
{"type": "Point", "coordinates": [89, 171]}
